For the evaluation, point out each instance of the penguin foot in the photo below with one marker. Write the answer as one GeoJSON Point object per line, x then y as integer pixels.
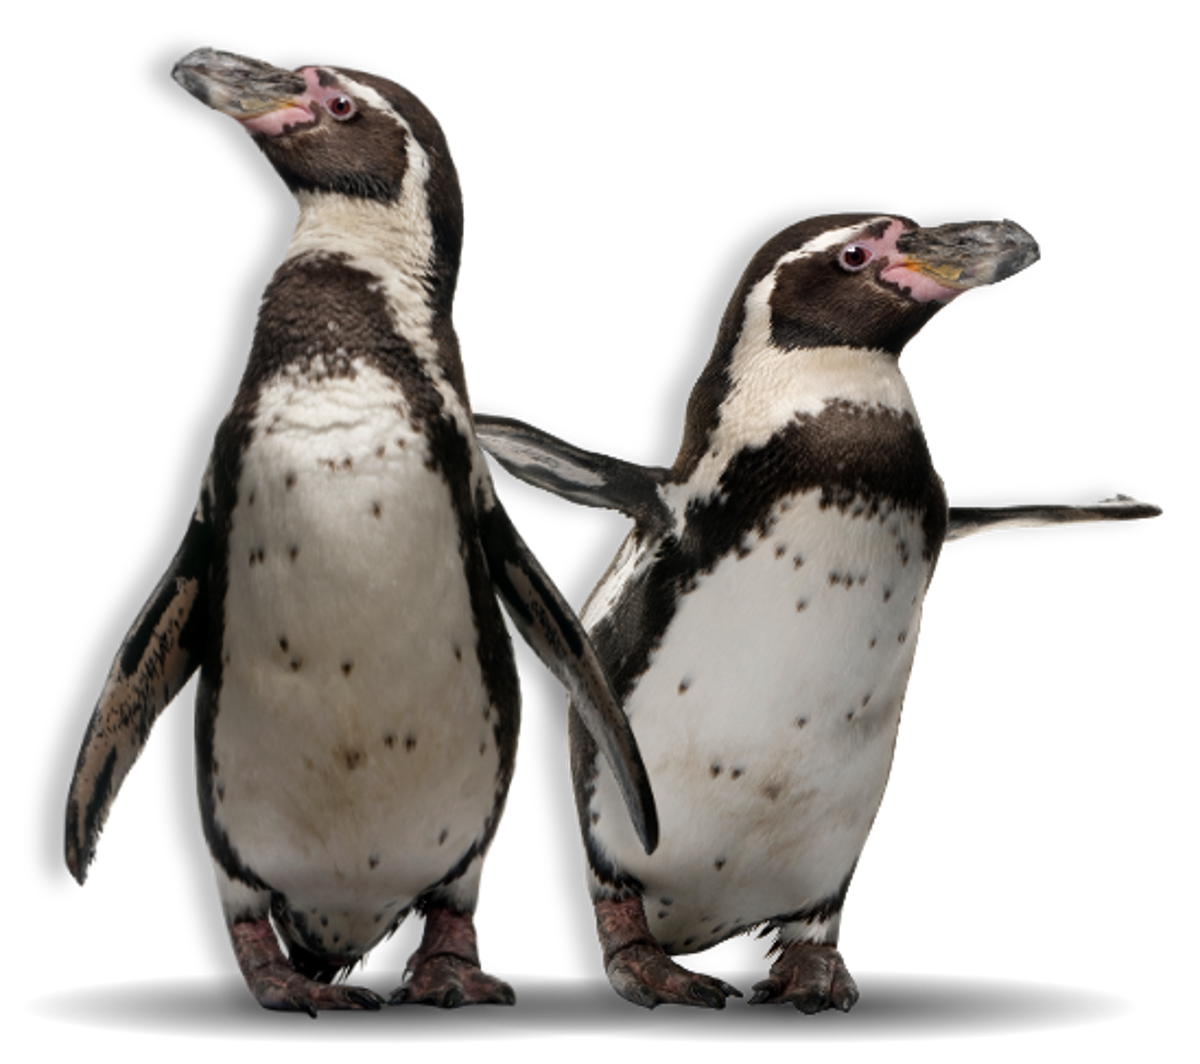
{"type": "Point", "coordinates": [640, 970]}
{"type": "Point", "coordinates": [275, 984]}
{"type": "Point", "coordinates": [445, 969]}
{"type": "Point", "coordinates": [810, 976]}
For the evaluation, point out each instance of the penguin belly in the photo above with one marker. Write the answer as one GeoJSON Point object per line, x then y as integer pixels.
{"type": "Point", "coordinates": [356, 761]}
{"type": "Point", "coordinates": [767, 718]}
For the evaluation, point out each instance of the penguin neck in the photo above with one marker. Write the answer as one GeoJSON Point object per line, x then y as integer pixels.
{"type": "Point", "coordinates": [762, 387]}
{"type": "Point", "coordinates": [392, 241]}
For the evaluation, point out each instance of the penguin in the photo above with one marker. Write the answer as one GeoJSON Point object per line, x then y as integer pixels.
{"type": "Point", "coordinates": [336, 589]}
{"type": "Point", "coordinates": [759, 621]}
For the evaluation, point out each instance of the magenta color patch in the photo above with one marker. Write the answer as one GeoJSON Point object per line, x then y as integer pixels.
{"type": "Point", "coordinates": [1079, 921]}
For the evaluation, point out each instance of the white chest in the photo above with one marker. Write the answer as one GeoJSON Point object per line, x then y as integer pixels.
{"type": "Point", "coordinates": [768, 716]}
{"type": "Point", "coordinates": [354, 735]}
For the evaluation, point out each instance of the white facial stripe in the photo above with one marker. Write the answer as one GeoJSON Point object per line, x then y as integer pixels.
{"type": "Point", "coordinates": [370, 96]}
{"type": "Point", "coordinates": [824, 242]}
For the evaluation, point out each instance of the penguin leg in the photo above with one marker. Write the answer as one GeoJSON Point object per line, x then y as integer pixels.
{"type": "Point", "coordinates": [269, 974]}
{"type": "Point", "coordinates": [810, 975]}
{"type": "Point", "coordinates": [445, 969]}
{"type": "Point", "coordinates": [640, 970]}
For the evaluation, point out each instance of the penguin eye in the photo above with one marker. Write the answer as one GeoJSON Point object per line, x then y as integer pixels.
{"type": "Point", "coordinates": [341, 107]}
{"type": "Point", "coordinates": [854, 257]}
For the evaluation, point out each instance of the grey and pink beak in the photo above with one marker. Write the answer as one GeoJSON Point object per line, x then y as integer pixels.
{"type": "Point", "coordinates": [938, 264]}
{"type": "Point", "coordinates": [267, 100]}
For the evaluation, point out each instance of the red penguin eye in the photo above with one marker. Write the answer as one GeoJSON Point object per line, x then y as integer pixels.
{"type": "Point", "coordinates": [341, 107]}
{"type": "Point", "coordinates": [855, 256]}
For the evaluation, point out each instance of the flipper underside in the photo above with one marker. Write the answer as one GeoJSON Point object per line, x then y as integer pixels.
{"type": "Point", "coordinates": [967, 520]}
{"type": "Point", "coordinates": [159, 653]}
{"type": "Point", "coordinates": [551, 628]}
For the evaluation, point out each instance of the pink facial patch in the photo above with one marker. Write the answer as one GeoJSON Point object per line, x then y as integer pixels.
{"type": "Point", "coordinates": [302, 112]}
{"type": "Point", "coordinates": [914, 284]}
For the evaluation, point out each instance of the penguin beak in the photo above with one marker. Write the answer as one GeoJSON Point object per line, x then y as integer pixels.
{"type": "Point", "coordinates": [245, 89]}
{"type": "Point", "coordinates": [966, 255]}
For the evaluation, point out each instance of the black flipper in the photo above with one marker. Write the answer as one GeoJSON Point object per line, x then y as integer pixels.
{"type": "Point", "coordinates": [967, 520]}
{"type": "Point", "coordinates": [551, 628]}
{"type": "Point", "coordinates": [159, 653]}
{"type": "Point", "coordinates": [582, 476]}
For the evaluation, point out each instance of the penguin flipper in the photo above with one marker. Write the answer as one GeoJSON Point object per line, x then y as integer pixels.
{"type": "Point", "coordinates": [551, 628]}
{"type": "Point", "coordinates": [159, 653]}
{"type": "Point", "coordinates": [585, 477]}
{"type": "Point", "coordinates": [967, 520]}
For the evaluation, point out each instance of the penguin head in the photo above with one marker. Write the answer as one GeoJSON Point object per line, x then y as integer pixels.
{"type": "Point", "coordinates": [872, 281]}
{"type": "Point", "coordinates": [337, 132]}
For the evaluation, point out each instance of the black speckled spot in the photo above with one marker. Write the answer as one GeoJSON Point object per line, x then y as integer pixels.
{"type": "Point", "coordinates": [684, 684]}
{"type": "Point", "coordinates": [250, 499]}
{"type": "Point", "coordinates": [872, 643]}
{"type": "Point", "coordinates": [662, 914]}
{"type": "Point", "coordinates": [737, 773]}
{"type": "Point", "coordinates": [389, 740]}
{"type": "Point", "coordinates": [797, 561]}
{"type": "Point", "coordinates": [380, 450]}
{"type": "Point", "coordinates": [802, 605]}
{"type": "Point", "coordinates": [866, 699]}
{"type": "Point", "coordinates": [283, 643]}
{"type": "Point", "coordinates": [772, 791]}
{"type": "Point", "coordinates": [850, 715]}
{"type": "Point", "coordinates": [718, 929]}
{"type": "Point", "coordinates": [458, 657]}
{"type": "Point", "coordinates": [220, 792]}
{"type": "Point", "coordinates": [901, 637]}
{"type": "Point", "coordinates": [289, 481]}
{"type": "Point", "coordinates": [595, 817]}
{"type": "Point", "coordinates": [801, 721]}
{"type": "Point", "coordinates": [352, 759]}
{"type": "Point", "coordinates": [296, 663]}
{"type": "Point", "coordinates": [324, 921]}
{"type": "Point", "coordinates": [719, 863]}
{"type": "Point", "coordinates": [780, 550]}
{"type": "Point", "coordinates": [887, 594]}
{"type": "Point", "coordinates": [689, 940]}
{"type": "Point", "coordinates": [410, 742]}
{"type": "Point", "coordinates": [714, 770]}
{"type": "Point", "coordinates": [376, 510]}
{"type": "Point", "coordinates": [293, 550]}
{"type": "Point", "coordinates": [445, 834]}
{"type": "Point", "coordinates": [347, 667]}
{"type": "Point", "coordinates": [666, 901]}
{"type": "Point", "coordinates": [373, 861]}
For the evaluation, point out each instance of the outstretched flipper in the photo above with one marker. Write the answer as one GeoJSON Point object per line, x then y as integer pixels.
{"type": "Point", "coordinates": [585, 477]}
{"type": "Point", "coordinates": [551, 628]}
{"type": "Point", "coordinates": [159, 653]}
{"type": "Point", "coordinates": [598, 480]}
{"type": "Point", "coordinates": [967, 520]}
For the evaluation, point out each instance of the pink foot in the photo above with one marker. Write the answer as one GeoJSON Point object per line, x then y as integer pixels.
{"type": "Point", "coordinates": [445, 969]}
{"type": "Point", "coordinates": [275, 984]}
{"type": "Point", "coordinates": [638, 967]}
{"type": "Point", "coordinates": [809, 976]}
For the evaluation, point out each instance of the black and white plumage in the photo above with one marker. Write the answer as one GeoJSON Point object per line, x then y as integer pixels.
{"type": "Point", "coordinates": [358, 701]}
{"type": "Point", "coordinates": [760, 620]}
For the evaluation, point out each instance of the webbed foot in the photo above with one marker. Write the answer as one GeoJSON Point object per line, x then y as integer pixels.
{"type": "Point", "coordinates": [810, 976]}
{"type": "Point", "coordinates": [445, 969]}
